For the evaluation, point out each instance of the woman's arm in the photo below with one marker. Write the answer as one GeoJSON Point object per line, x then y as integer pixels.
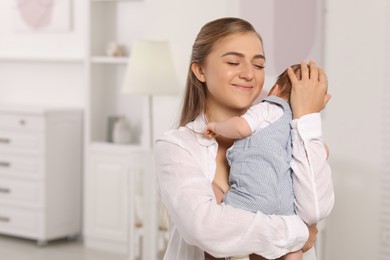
{"type": "Point", "coordinates": [312, 178]}
{"type": "Point", "coordinates": [220, 230]}
{"type": "Point", "coordinates": [313, 187]}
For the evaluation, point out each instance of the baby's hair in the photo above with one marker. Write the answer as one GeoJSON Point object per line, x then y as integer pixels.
{"type": "Point", "coordinates": [284, 81]}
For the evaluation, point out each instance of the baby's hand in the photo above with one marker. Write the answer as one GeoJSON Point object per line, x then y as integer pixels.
{"type": "Point", "coordinates": [209, 132]}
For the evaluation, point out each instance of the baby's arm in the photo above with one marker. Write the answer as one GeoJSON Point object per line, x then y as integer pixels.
{"type": "Point", "coordinates": [234, 128]}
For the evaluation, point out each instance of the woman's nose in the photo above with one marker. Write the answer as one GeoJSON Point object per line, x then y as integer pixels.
{"type": "Point", "coordinates": [246, 72]}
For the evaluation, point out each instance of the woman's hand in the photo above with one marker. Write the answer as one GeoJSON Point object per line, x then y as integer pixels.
{"type": "Point", "coordinates": [312, 237]}
{"type": "Point", "coordinates": [309, 94]}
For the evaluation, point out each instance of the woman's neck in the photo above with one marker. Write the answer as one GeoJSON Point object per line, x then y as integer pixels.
{"type": "Point", "coordinates": [217, 113]}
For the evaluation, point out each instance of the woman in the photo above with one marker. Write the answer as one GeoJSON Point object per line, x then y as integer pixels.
{"type": "Point", "coordinates": [225, 77]}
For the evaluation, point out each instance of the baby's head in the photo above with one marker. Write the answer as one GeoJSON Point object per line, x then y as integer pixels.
{"type": "Point", "coordinates": [284, 83]}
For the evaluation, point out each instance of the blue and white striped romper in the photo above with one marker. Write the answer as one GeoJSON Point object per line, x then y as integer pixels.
{"type": "Point", "coordinates": [260, 173]}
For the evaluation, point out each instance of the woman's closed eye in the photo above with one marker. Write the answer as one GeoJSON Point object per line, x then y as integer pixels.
{"type": "Point", "coordinates": [233, 63]}
{"type": "Point", "coordinates": [259, 66]}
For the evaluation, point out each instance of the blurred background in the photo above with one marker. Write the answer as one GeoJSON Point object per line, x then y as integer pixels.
{"type": "Point", "coordinates": [75, 148]}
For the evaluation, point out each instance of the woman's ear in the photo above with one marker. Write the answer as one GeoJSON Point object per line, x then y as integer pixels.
{"type": "Point", "coordinates": [197, 70]}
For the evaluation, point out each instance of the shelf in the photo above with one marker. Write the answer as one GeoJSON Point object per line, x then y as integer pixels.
{"type": "Point", "coordinates": [110, 60]}
{"type": "Point", "coordinates": [40, 57]}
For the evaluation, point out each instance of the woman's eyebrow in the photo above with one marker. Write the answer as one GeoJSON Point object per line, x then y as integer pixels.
{"type": "Point", "coordinates": [258, 56]}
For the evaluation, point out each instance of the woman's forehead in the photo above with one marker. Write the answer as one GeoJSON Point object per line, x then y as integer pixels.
{"type": "Point", "coordinates": [246, 43]}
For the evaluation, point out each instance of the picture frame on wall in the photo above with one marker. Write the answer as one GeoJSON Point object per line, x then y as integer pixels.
{"type": "Point", "coordinates": [42, 15]}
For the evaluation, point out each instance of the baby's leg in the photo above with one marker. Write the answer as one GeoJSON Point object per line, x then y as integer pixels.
{"type": "Point", "coordinates": [293, 256]}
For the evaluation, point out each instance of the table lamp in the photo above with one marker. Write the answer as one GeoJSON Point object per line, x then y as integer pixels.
{"type": "Point", "coordinates": [150, 72]}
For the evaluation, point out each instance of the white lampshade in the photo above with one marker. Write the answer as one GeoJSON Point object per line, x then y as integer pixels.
{"type": "Point", "coordinates": [150, 70]}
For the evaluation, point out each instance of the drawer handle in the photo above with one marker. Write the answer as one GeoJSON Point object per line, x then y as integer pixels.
{"type": "Point", "coordinates": [4, 219]}
{"type": "Point", "coordinates": [5, 140]}
{"type": "Point", "coordinates": [5, 164]}
{"type": "Point", "coordinates": [4, 190]}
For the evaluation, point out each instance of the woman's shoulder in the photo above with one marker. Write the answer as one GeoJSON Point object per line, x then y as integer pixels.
{"type": "Point", "coordinates": [182, 136]}
{"type": "Point", "coordinates": [189, 137]}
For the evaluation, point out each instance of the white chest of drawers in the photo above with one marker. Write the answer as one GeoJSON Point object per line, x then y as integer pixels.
{"type": "Point", "coordinates": [40, 172]}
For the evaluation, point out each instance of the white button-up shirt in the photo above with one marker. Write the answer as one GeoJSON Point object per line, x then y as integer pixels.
{"type": "Point", "coordinates": [185, 167]}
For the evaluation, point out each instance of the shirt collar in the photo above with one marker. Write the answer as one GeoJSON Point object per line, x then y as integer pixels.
{"type": "Point", "coordinates": [199, 126]}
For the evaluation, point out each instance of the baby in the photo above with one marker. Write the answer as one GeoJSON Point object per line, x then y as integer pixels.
{"type": "Point", "coordinates": [260, 172]}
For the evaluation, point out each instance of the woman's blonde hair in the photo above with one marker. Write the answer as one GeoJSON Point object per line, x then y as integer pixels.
{"type": "Point", "coordinates": [195, 96]}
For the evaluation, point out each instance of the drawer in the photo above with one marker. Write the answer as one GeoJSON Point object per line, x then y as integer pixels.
{"type": "Point", "coordinates": [22, 166]}
{"type": "Point", "coordinates": [21, 122]}
{"type": "Point", "coordinates": [19, 142]}
{"type": "Point", "coordinates": [21, 193]}
{"type": "Point", "coordinates": [21, 222]}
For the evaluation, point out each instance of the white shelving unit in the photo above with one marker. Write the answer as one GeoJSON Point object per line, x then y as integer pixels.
{"type": "Point", "coordinates": [109, 21]}
{"type": "Point", "coordinates": [116, 174]}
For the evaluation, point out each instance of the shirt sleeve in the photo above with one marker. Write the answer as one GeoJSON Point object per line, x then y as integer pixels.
{"type": "Point", "coordinates": [312, 180]}
{"type": "Point", "coordinates": [220, 230]}
{"type": "Point", "coordinates": [261, 115]}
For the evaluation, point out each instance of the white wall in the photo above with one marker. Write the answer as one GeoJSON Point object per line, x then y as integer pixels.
{"type": "Point", "coordinates": [354, 56]}
{"type": "Point", "coordinates": [68, 43]}
{"type": "Point", "coordinates": [26, 79]}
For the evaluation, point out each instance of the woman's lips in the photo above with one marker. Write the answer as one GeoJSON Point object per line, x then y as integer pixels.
{"type": "Point", "coordinates": [243, 87]}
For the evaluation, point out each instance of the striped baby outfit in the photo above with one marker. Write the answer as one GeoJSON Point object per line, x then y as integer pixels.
{"type": "Point", "coordinates": [260, 173]}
